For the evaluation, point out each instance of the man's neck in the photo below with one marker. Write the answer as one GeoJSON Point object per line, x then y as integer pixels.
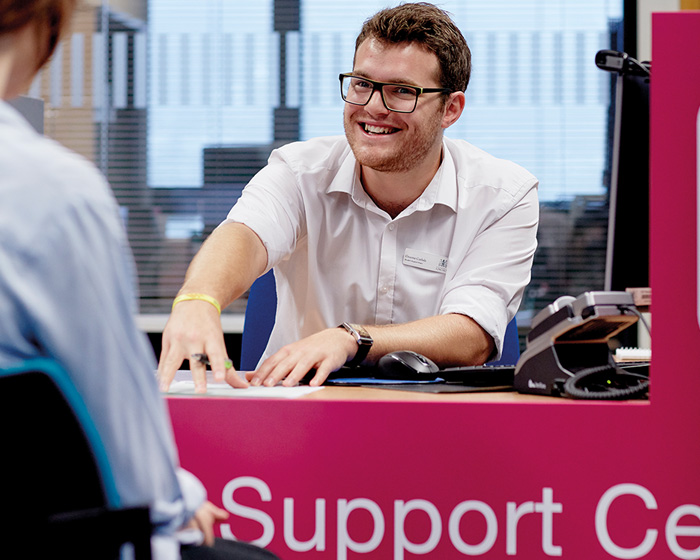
{"type": "Point", "coordinates": [393, 192]}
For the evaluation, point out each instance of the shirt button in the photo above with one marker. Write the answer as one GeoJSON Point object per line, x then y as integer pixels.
{"type": "Point", "coordinates": [384, 289]}
{"type": "Point", "coordinates": [391, 227]}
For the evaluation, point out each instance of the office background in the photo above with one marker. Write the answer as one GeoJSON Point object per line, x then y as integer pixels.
{"type": "Point", "coordinates": [179, 103]}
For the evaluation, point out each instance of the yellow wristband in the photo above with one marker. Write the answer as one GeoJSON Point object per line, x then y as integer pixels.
{"type": "Point", "coordinates": [201, 297]}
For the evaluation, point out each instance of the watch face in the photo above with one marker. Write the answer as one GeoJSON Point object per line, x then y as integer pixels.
{"type": "Point", "coordinates": [364, 342]}
{"type": "Point", "coordinates": [362, 334]}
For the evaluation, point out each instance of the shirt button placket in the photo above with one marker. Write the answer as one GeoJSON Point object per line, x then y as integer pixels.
{"type": "Point", "coordinates": [387, 275]}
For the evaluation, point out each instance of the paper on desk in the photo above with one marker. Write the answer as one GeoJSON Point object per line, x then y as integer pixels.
{"type": "Point", "coordinates": [184, 385]}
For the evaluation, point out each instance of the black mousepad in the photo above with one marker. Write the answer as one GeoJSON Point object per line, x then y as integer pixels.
{"type": "Point", "coordinates": [466, 379]}
{"type": "Point", "coordinates": [379, 382]}
{"type": "Point", "coordinates": [443, 388]}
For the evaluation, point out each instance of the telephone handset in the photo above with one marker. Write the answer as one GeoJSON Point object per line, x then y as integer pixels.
{"type": "Point", "coordinates": [567, 351]}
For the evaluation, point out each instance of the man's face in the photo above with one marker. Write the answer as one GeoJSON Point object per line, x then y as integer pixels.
{"type": "Point", "coordinates": [385, 140]}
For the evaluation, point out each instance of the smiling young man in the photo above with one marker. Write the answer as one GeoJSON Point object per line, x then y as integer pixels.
{"type": "Point", "coordinates": [406, 239]}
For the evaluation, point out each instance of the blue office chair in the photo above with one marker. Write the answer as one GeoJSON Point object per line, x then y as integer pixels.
{"type": "Point", "coordinates": [59, 495]}
{"type": "Point", "coordinates": [511, 346]}
{"type": "Point", "coordinates": [260, 318]}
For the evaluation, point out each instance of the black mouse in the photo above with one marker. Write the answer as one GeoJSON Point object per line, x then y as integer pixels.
{"type": "Point", "coordinates": [406, 364]}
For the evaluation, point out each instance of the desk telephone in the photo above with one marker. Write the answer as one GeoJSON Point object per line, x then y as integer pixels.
{"type": "Point", "coordinates": [567, 352]}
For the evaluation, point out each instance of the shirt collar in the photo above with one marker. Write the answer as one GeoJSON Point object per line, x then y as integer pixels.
{"type": "Point", "coordinates": [347, 180]}
{"type": "Point", "coordinates": [12, 116]}
{"type": "Point", "coordinates": [441, 190]}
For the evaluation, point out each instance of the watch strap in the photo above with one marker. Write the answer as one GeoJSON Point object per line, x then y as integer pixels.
{"type": "Point", "coordinates": [364, 342]}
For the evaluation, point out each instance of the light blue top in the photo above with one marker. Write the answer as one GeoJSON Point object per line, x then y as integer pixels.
{"type": "Point", "coordinates": [66, 292]}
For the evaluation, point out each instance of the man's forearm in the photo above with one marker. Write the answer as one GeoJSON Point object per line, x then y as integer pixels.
{"type": "Point", "coordinates": [227, 264]}
{"type": "Point", "coordinates": [448, 340]}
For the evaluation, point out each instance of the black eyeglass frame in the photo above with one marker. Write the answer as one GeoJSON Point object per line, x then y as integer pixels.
{"type": "Point", "coordinates": [380, 86]}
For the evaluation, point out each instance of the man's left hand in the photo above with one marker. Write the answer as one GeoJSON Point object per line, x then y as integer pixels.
{"type": "Point", "coordinates": [324, 351]}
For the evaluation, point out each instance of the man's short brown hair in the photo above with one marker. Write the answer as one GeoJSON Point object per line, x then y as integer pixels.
{"type": "Point", "coordinates": [429, 26]}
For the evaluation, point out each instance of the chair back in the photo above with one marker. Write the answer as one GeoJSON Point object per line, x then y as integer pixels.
{"type": "Point", "coordinates": [259, 319]}
{"type": "Point", "coordinates": [62, 487]}
{"type": "Point", "coordinates": [511, 346]}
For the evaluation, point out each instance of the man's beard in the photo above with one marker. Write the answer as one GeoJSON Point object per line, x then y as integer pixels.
{"type": "Point", "coordinates": [404, 156]}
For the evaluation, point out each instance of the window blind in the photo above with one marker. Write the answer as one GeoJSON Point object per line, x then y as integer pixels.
{"type": "Point", "coordinates": [179, 103]}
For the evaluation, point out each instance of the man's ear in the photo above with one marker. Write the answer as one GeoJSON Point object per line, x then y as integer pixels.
{"type": "Point", "coordinates": [453, 108]}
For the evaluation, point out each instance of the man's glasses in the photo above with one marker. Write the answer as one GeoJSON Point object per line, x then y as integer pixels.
{"type": "Point", "coordinates": [400, 98]}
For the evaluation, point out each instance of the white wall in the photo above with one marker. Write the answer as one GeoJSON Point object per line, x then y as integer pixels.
{"type": "Point", "coordinates": [644, 10]}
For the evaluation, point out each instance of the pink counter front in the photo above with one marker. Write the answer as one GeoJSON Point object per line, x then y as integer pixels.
{"type": "Point", "coordinates": [353, 474]}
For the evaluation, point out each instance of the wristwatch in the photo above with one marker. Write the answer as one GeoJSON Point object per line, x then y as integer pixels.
{"type": "Point", "coordinates": [363, 339]}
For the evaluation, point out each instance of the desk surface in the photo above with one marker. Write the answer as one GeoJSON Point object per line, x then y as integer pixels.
{"type": "Point", "coordinates": [381, 395]}
{"type": "Point", "coordinates": [407, 394]}
{"type": "Point", "coordinates": [370, 394]}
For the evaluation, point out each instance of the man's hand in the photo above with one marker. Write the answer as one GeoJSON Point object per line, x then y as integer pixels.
{"type": "Point", "coordinates": [194, 327]}
{"type": "Point", "coordinates": [326, 351]}
{"type": "Point", "coordinates": [205, 518]}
